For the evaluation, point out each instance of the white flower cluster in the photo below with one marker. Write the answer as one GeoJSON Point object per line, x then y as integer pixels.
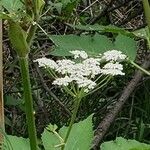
{"type": "Point", "coordinates": [113, 69]}
{"type": "Point", "coordinates": [45, 62]}
{"type": "Point", "coordinates": [78, 54]}
{"type": "Point", "coordinates": [83, 72]}
{"type": "Point", "coordinates": [113, 55]}
{"type": "Point", "coordinates": [113, 58]}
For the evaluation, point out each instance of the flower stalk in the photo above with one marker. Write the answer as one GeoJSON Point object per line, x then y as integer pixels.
{"type": "Point", "coordinates": [24, 66]}
{"type": "Point", "coordinates": [73, 117]}
{"type": "Point", "coordinates": [140, 68]}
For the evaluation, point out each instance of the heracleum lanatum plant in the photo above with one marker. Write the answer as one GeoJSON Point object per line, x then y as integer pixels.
{"type": "Point", "coordinates": [83, 75]}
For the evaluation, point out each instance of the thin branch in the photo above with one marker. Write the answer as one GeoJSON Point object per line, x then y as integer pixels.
{"type": "Point", "coordinates": [1, 87]}
{"type": "Point", "coordinates": [95, 19]}
{"type": "Point", "coordinates": [51, 93]}
{"type": "Point", "coordinates": [112, 114]}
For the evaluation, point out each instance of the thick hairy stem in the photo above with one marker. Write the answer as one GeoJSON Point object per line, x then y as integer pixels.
{"type": "Point", "coordinates": [28, 102]}
{"type": "Point", "coordinates": [73, 117]}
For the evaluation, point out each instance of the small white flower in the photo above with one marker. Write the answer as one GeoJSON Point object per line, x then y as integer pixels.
{"type": "Point", "coordinates": [64, 66]}
{"type": "Point", "coordinates": [62, 81]}
{"type": "Point", "coordinates": [79, 70]}
{"type": "Point", "coordinates": [111, 65]}
{"type": "Point", "coordinates": [113, 55]}
{"type": "Point", "coordinates": [86, 83]}
{"type": "Point", "coordinates": [113, 69]}
{"type": "Point", "coordinates": [45, 62]}
{"type": "Point", "coordinates": [78, 53]}
{"type": "Point", "coordinates": [91, 61]}
{"type": "Point", "coordinates": [93, 65]}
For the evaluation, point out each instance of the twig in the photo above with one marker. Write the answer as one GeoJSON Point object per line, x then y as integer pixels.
{"type": "Point", "coordinates": [126, 20]}
{"type": "Point", "coordinates": [112, 114]}
{"type": "Point", "coordinates": [95, 19]}
{"type": "Point", "coordinates": [50, 92]}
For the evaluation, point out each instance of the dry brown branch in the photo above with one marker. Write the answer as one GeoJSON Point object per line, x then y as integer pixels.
{"type": "Point", "coordinates": [1, 87]}
{"type": "Point", "coordinates": [112, 114]}
{"type": "Point", "coordinates": [51, 93]}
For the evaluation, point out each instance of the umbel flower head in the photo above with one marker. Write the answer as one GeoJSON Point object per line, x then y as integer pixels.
{"type": "Point", "coordinates": [84, 73]}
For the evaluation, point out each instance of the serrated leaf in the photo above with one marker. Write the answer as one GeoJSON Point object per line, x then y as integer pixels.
{"type": "Point", "coordinates": [58, 7]}
{"type": "Point", "coordinates": [142, 33]}
{"type": "Point", "coordinates": [16, 143]}
{"type": "Point", "coordinates": [101, 28]}
{"type": "Point", "coordinates": [50, 140]}
{"type": "Point", "coordinates": [123, 144]}
{"type": "Point", "coordinates": [81, 135]}
{"type": "Point", "coordinates": [92, 45]}
{"type": "Point", "coordinates": [127, 45]}
{"type": "Point", "coordinates": [75, 142]}
{"type": "Point", "coordinates": [12, 6]}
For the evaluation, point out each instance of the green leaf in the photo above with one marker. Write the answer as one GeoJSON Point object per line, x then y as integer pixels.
{"type": "Point", "coordinates": [101, 28]}
{"type": "Point", "coordinates": [7, 121]}
{"type": "Point", "coordinates": [92, 45]}
{"type": "Point", "coordinates": [50, 140]}
{"type": "Point", "coordinates": [18, 39]}
{"type": "Point", "coordinates": [15, 143]}
{"type": "Point", "coordinates": [127, 45]}
{"type": "Point", "coordinates": [81, 135]}
{"type": "Point", "coordinates": [4, 16]}
{"type": "Point", "coordinates": [123, 144]}
{"type": "Point", "coordinates": [40, 5]}
{"type": "Point", "coordinates": [12, 101]}
{"type": "Point", "coordinates": [58, 7]}
{"type": "Point", "coordinates": [142, 33]}
{"type": "Point", "coordinates": [84, 128]}
{"type": "Point", "coordinates": [12, 6]}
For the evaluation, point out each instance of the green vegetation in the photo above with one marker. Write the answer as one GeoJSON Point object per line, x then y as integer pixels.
{"type": "Point", "coordinates": [86, 75]}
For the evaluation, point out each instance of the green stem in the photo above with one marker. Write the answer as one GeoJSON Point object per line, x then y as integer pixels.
{"type": "Point", "coordinates": [140, 68]}
{"type": "Point", "coordinates": [28, 101]}
{"type": "Point", "coordinates": [73, 117]}
{"type": "Point", "coordinates": [100, 86]}
{"type": "Point", "coordinates": [31, 34]}
{"type": "Point", "coordinates": [33, 27]}
{"type": "Point", "coordinates": [146, 7]}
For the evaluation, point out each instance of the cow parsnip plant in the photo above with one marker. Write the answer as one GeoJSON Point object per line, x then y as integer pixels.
{"type": "Point", "coordinates": [83, 76]}
{"type": "Point", "coordinates": [79, 77]}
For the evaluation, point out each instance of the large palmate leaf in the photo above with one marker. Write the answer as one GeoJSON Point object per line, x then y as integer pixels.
{"type": "Point", "coordinates": [92, 45]}
{"type": "Point", "coordinates": [80, 137]}
{"type": "Point", "coordinates": [15, 143]}
{"type": "Point", "coordinates": [123, 144]}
